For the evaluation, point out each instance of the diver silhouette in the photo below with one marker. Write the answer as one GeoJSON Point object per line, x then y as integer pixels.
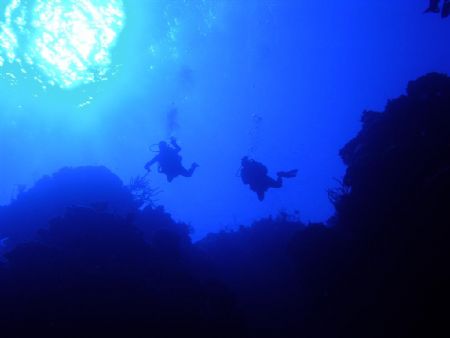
{"type": "Point", "coordinates": [254, 174]}
{"type": "Point", "coordinates": [169, 161]}
{"type": "Point", "coordinates": [433, 7]}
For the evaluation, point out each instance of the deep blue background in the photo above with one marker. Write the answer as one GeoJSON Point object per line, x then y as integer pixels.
{"type": "Point", "coordinates": [282, 81]}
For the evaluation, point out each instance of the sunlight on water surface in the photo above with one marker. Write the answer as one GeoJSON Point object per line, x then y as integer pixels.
{"type": "Point", "coordinates": [63, 43]}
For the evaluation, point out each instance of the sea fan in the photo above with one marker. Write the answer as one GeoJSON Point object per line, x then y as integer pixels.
{"type": "Point", "coordinates": [143, 193]}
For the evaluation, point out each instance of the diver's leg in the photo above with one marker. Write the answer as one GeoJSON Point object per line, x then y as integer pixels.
{"type": "Point", "coordinates": [188, 173]}
{"type": "Point", "coordinates": [185, 173]}
{"type": "Point", "coordinates": [271, 183]}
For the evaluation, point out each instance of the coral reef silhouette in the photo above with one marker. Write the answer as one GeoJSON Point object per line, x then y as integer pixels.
{"type": "Point", "coordinates": [86, 259]}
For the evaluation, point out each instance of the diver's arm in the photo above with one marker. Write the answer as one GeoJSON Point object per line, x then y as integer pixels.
{"type": "Point", "coordinates": [151, 162]}
{"type": "Point", "coordinates": [174, 143]}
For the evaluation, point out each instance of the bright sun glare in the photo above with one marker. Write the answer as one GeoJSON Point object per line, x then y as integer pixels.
{"type": "Point", "coordinates": [63, 43]}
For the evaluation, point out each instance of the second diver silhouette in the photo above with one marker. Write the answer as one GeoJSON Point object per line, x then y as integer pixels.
{"type": "Point", "coordinates": [254, 174]}
{"type": "Point", "coordinates": [169, 161]}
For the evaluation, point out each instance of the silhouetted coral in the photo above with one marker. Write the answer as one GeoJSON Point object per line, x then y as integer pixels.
{"type": "Point", "coordinates": [143, 193]}
{"type": "Point", "coordinates": [256, 264]}
{"type": "Point", "coordinates": [391, 221]}
{"type": "Point", "coordinates": [103, 267]}
{"type": "Point", "coordinates": [92, 273]}
{"type": "Point", "coordinates": [94, 187]}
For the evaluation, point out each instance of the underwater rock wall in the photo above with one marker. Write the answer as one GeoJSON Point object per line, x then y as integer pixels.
{"type": "Point", "coordinates": [101, 266]}
{"type": "Point", "coordinates": [90, 187]}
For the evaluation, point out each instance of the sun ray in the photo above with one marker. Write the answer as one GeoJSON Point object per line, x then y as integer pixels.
{"type": "Point", "coordinates": [68, 42]}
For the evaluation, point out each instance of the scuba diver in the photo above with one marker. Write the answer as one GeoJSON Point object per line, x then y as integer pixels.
{"type": "Point", "coordinates": [169, 161]}
{"type": "Point", "coordinates": [255, 175]}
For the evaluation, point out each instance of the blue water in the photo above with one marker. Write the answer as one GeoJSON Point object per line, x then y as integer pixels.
{"type": "Point", "coordinates": [284, 82]}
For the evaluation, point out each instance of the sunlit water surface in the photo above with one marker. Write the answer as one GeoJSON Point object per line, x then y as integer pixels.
{"type": "Point", "coordinates": [59, 43]}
